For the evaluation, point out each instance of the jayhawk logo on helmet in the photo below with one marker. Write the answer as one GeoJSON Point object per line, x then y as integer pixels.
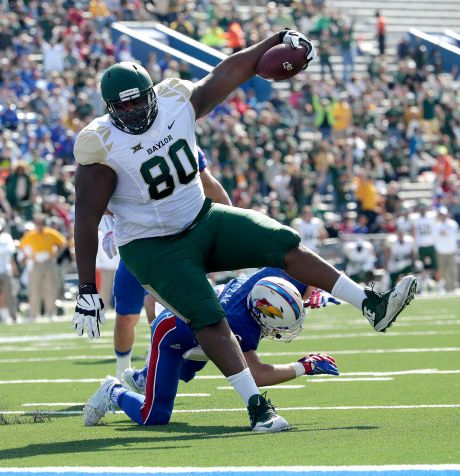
{"type": "Point", "coordinates": [277, 306]}
{"type": "Point", "coordinates": [268, 309]}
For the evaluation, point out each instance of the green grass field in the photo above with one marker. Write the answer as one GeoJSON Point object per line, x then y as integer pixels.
{"type": "Point", "coordinates": [397, 400]}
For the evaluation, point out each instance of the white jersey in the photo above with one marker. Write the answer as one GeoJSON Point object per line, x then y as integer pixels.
{"type": "Point", "coordinates": [310, 231]}
{"type": "Point", "coordinates": [424, 228]}
{"type": "Point", "coordinates": [159, 191]}
{"type": "Point", "coordinates": [400, 253]}
{"type": "Point", "coordinates": [359, 258]}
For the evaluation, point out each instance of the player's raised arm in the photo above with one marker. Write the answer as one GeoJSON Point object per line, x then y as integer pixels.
{"type": "Point", "coordinates": [238, 68]}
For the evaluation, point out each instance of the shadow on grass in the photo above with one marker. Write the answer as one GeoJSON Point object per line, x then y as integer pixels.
{"type": "Point", "coordinates": [155, 438]}
{"type": "Point", "coordinates": [169, 437]}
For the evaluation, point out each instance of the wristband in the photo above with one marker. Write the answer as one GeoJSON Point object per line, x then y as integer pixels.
{"type": "Point", "coordinates": [299, 369]}
{"type": "Point", "coordinates": [87, 289]}
{"type": "Point", "coordinates": [282, 34]}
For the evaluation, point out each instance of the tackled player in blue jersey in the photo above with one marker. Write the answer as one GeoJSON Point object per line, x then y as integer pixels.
{"type": "Point", "coordinates": [268, 303]}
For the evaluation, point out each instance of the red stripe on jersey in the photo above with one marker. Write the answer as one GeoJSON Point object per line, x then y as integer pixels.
{"type": "Point", "coordinates": [161, 331]}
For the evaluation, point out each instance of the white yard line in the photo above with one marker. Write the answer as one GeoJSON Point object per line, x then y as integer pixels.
{"type": "Point", "coordinates": [319, 380]}
{"type": "Point", "coordinates": [353, 335]}
{"type": "Point", "coordinates": [408, 350]}
{"type": "Point", "coordinates": [223, 410]}
{"type": "Point", "coordinates": [361, 377]}
{"type": "Point", "coordinates": [261, 354]}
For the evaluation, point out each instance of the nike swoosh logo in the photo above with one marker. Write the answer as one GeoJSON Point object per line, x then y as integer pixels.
{"type": "Point", "coordinates": [172, 123]}
{"type": "Point", "coordinates": [267, 425]}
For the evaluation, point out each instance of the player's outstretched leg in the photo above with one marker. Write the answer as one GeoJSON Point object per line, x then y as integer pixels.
{"type": "Point", "coordinates": [100, 403]}
{"type": "Point", "coordinates": [263, 417]}
{"type": "Point", "coordinates": [382, 309]}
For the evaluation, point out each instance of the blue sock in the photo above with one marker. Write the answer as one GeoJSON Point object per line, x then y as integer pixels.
{"type": "Point", "coordinates": [131, 404]}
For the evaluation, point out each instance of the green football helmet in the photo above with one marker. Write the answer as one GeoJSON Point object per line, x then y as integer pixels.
{"type": "Point", "coordinates": [127, 90]}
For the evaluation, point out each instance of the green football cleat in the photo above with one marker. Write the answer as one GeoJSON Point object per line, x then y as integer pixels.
{"type": "Point", "coordinates": [263, 416]}
{"type": "Point", "coordinates": [382, 309]}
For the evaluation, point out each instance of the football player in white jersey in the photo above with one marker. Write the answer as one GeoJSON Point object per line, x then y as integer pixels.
{"type": "Point", "coordinates": [311, 229]}
{"type": "Point", "coordinates": [400, 255]}
{"type": "Point", "coordinates": [423, 230]}
{"type": "Point", "coordinates": [139, 160]}
{"type": "Point", "coordinates": [360, 260]}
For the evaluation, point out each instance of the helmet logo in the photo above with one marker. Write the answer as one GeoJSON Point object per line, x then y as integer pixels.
{"type": "Point", "coordinates": [269, 310]}
{"type": "Point", "coordinates": [129, 94]}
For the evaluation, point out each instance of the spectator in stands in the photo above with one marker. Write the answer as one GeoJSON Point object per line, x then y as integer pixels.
{"type": "Point", "coordinates": [343, 118]}
{"type": "Point", "coordinates": [368, 198]}
{"type": "Point", "coordinates": [214, 36]}
{"type": "Point", "coordinates": [444, 166]}
{"type": "Point", "coordinates": [445, 242]}
{"type": "Point", "coordinates": [324, 117]}
{"type": "Point", "coordinates": [123, 50]}
{"type": "Point", "coordinates": [182, 25]}
{"type": "Point", "coordinates": [381, 32]}
{"type": "Point", "coordinates": [100, 13]}
{"type": "Point", "coordinates": [41, 247]}
{"type": "Point", "coordinates": [345, 38]}
{"type": "Point", "coordinates": [393, 201]}
{"type": "Point", "coordinates": [325, 51]}
{"type": "Point", "coordinates": [361, 227]}
{"type": "Point", "coordinates": [235, 36]}
{"type": "Point", "coordinates": [403, 49]}
{"type": "Point", "coordinates": [19, 190]}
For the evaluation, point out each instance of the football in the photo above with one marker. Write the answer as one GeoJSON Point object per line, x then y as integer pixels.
{"type": "Point", "coordinates": [281, 62]}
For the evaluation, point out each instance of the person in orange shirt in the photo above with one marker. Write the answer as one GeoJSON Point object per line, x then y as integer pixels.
{"type": "Point", "coordinates": [381, 31]}
{"type": "Point", "coordinates": [235, 37]}
{"type": "Point", "coordinates": [444, 166]}
{"type": "Point", "coordinates": [41, 248]}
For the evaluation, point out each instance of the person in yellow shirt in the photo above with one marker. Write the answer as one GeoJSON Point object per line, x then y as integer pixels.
{"type": "Point", "coordinates": [367, 195]}
{"type": "Point", "coordinates": [341, 111]}
{"type": "Point", "coordinates": [41, 248]}
{"type": "Point", "coordinates": [98, 8]}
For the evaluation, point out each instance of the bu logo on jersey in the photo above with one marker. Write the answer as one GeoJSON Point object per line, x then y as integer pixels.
{"type": "Point", "coordinates": [266, 308]}
{"type": "Point", "coordinates": [136, 148]}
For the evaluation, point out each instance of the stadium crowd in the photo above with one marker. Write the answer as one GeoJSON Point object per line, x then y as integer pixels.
{"type": "Point", "coordinates": [327, 154]}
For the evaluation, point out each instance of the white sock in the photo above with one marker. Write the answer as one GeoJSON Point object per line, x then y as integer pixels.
{"type": "Point", "coordinates": [123, 363]}
{"type": "Point", "coordinates": [244, 384]}
{"type": "Point", "coordinates": [347, 290]}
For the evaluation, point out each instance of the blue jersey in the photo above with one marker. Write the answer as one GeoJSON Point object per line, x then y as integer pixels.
{"type": "Point", "coordinates": [171, 337]}
{"type": "Point", "coordinates": [233, 299]}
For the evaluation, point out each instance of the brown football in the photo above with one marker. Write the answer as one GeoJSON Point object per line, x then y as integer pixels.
{"type": "Point", "coordinates": [281, 62]}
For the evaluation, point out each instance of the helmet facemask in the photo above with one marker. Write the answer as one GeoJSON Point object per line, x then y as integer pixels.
{"type": "Point", "coordinates": [135, 113]}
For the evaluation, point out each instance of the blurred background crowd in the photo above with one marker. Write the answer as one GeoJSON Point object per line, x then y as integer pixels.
{"type": "Point", "coordinates": [364, 164]}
